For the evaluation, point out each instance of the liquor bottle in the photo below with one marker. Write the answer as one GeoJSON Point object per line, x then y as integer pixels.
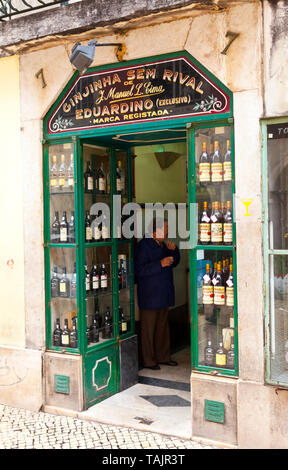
{"type": "Point", "coordinates": [55, 236]}
{"type": "Point", "coordinates": [95, 330]}
{"type": "Point", "coordinates": [64, 285]}
{"type": "Point", "coordinates": [96, 231]}
{"type": "Point", "coordinates": [71, 228]}
{"type": "Point", "coordinates": [88, 179]}
{"type": "Point", "coordinates": [88, 334]}
{"type": "Point", "coordinates": [207, 287]}
{"type": "Point", "coordinates": [204, 166]}
{"type": "Point", "coordinates": [73, 289]}
{"type": "Point", "coordinates": [214, 272]}
{"type": "Point", "coordinates": [65, 336]}
{"type": "Point", "coordinates": [227, 225]}
{"type": "Point", "coordinates": [94, 276]}
{"type": "Point", "coordinates": [209, 354]}
{"type": "Point", "coordinates": [57, 333]}
{"type": "Point", "coordinates": [122, 282]}
{"type": "Point", "coordinates": [107, 329]}
{"type": "Point", "coordinates": [221, 356]}
{"type": "Point", "coordinates": [204, 226]}
{"type": "Point", "coordinates": [219, 288]}
{"type": "Point", "coordinates": [55, 283]}
{"type": "Point", "coordinates": [101, 181]}
{"type": "Point", "coordinates": [62, 173]}
{"type": "Point", "coordinates": [53, 174]}
{"type": "Point", "coordinates": [211, 155]}
{"type": "Point", "coordinates": [103, 278]}
{"type": "Point", "coordinates": [108, 178]}
{"type": "Point", "coordinates": [216, 165]}
{"type": "Point", "coordinates": [105, 229]}
{"type": "Point", "coordinates": [88, 228]}
{"type": "Point", "coordinates": [87, 281]}
{"type": "Point", "coordinates": [227, 165]}
{"type": "Point", "coordinates": [216, 225]}
{"type": "Point", "coordinates": [119, 185]}
{"type": "Point", "coordinates": [230, 288]}
{"type": "Point", "coordinates": [122, 322]}
{"type": "Point", "coordinates": [70, 173]}
{"type": "Point", "coordinates": [64, 229]}
{"type": "Point", "coordinates": [231, 355]}
{"type": "Point", "coordinates": [225, 270]}
{"type": "Point", "coordinates": [73, 336]}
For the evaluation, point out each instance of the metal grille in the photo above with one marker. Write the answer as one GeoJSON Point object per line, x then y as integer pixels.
{"type": "Point", "coordinates": [10, 8]}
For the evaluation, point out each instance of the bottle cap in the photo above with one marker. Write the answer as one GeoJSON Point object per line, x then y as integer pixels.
{"type": "Point", "coordinates": [207, 267]}
{"type": "Point", "coordinates": [62, 157]}
{"type": "Point", "coordinates": [204, 146]}
{"type": "Point", "coordinates": [216, 144]}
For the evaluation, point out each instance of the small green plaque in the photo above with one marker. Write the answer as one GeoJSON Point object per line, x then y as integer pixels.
{"type": "Point", "coordinates": [62, 384]}
{"type": "Point", "coordinates": [214, 411]}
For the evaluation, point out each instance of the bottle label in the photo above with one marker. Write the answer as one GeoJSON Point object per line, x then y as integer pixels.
{"type": "Point", "coordinates": [220, 359]}
{"type": "Point", "coordinates": [227, 233]}
{"type": "Point", "coordinates": [90, 183]}
{"type": "Point", "coordinates": [216, 172]}
{"type": "Point", "coordinates": [205, 233]}
{"type": "Point", "coordinates": [227, 171]}
{"type": "Point", "coordinates": [88, 233]}
{"type": "Point", "coordinates": [53, 182]}
{"type": "Point", "coordinates": [105, 233]}
{"type": "Point", "coordinates": [63, 234]}
{"type": "Point", "coordinates": [104, 282]}
{"type": "Point", "coordinates": [216, 233]}
{"type": "Point", "coordinates": [230, 297]}
{"type": "Point", "coordinates": [87, 284]}
{"type": "Point", "coordinates": [65, 340]}
{"type": "Point", "coordinates": [101, 183]}
{"type": "Point", "coordinates": [231, 322]}
{"type": "Point", "coordinates": [63, 287]}
{"type": "Point", "coordinates": [124, 326]}
{"type": "Point", "coordinates": [119, 184]}
{"type": "Point", "coordinates": [219, 295]}
{"type": "Point", "coordinates": [97, 233]}
{"type": "Point", "coordinates": [209, 359]}
{"type": "Point", "coordinates": [62, 181]}
{"type": "Point", "coordinates": [95, 282]}
{"type": "Point", "coordinates": [204, 172]}
{"type": "Point", "coordinates": [207, 295]}
{"type": "Point", "coordinates": [71, 181]}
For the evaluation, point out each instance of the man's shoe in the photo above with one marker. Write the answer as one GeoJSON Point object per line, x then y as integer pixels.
{"type": "Point", "coordinates": [170, 363]}
{"type": "Point", "coordinates": [156, 367]}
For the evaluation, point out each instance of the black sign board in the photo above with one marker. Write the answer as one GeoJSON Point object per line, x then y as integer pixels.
{"type": "Point", "coordinates": [277, 131]}
{"type": "Point", "coordinates": [162, 89]}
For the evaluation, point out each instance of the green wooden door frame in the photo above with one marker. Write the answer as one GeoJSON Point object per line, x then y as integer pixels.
{"type": "Point", "coordinates": [77, 138]}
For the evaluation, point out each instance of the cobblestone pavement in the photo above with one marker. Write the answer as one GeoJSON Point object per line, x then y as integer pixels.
{"type": "Point", "coordinates": [22, 429]}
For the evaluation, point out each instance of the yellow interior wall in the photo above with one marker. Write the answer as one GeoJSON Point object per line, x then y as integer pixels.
{"type": "Point", "coordinates": [156, 185]}
{"type": "Point", "coordinates": [12, 316]}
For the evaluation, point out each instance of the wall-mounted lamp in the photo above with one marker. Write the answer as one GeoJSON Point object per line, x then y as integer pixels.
{"type": "Point", "coordinates": [83, 56]}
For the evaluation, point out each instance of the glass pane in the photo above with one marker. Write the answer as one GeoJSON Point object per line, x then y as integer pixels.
{"type": "Point", "coordinates": [213, 185]}
{"type": "Point", "coordinates": [61, 183]}
{"type": "Point", "coordinates": [277, 148]}
{"type": "Point", "coordinates": [99, 294]}
{"type": "Point", "coordinates": [97, 188]}
{"type": "Point", "coordinates": [63, 290]}
{"type": "Point", "coordinates": [124, 285]}
{"type": "Point", "coordinates": [215, 298]}
{"type": "Point", "coordinates": [279, 318]}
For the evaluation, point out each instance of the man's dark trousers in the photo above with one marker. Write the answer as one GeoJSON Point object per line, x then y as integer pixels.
{"type": "Point", "coordinates": [155, 337]}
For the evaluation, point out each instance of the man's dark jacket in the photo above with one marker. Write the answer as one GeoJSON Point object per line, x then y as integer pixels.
{"type": "Point", "coordinates": [155, 284]}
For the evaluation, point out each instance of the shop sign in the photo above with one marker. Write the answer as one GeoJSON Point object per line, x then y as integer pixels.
{"type": "Point", "coordinates": [163, 89]}
{"type": "Point", "coordinates": [278, 131]}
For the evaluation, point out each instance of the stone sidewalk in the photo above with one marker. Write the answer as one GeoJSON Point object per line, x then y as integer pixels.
{"type": "Point", "coordinates": [23, 429]}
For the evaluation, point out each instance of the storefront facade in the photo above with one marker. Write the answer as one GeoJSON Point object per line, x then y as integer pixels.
{"type": "Point", "coordinates": [250, 401]}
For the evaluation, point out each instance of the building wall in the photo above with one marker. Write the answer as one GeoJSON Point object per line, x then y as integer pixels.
{"type": "Point", "coordinates": [12, 318]}
{"type": "Point", "coordinates": [203, 36]}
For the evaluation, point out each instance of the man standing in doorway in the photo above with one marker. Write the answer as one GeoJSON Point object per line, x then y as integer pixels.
{"type": "Point", "coordinates": [154, 263]}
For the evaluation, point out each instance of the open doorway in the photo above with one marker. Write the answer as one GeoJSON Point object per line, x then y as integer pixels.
{"type": "Point", "coordinates": [160, 177]}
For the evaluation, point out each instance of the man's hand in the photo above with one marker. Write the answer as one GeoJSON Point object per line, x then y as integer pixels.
{"type": "Point", "coordinates": [167, 261]}
{"type": "Point", "coordinates": [170, 245]}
